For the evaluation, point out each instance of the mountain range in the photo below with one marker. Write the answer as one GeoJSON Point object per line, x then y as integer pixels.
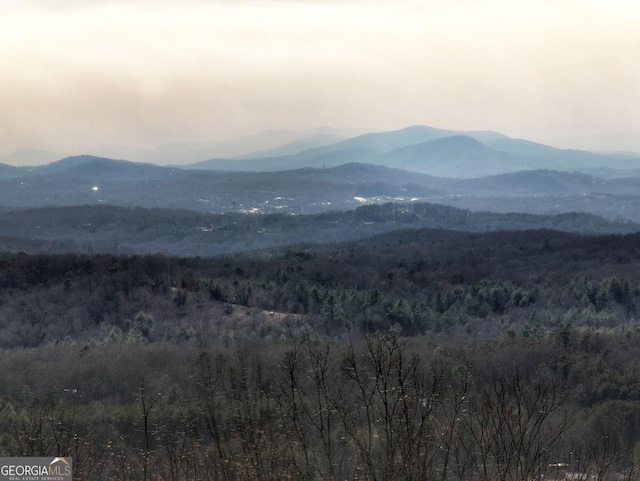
{"type": "Point", "coordinates": [417, 148]}
{"type": "Point", "coordinates": [270, 142]}
{"type": "Point", "coordinates": [475, 171]}
{"type": "Point", "coordinates": [439, 152]}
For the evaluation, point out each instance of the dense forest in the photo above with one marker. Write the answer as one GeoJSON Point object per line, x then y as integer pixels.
{"type": "Point", "coordinates": [416, 354]}
{"type": "Point", "coordinates": [380, 406]}
{"type": "Point", "coordinates": [107, 229]}
{"type": "Point", "coordinates": [416, 281]}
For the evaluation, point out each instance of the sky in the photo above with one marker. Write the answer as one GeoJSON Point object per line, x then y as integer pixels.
{"type": "Point", "coordinates": [83, 73]}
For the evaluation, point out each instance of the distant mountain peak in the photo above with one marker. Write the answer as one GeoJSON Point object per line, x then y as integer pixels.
{"type": "Point", "coordinates": [458, 140]}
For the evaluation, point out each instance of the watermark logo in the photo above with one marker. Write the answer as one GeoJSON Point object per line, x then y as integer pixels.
{"type": "Point", "coordinates": [36, 469]}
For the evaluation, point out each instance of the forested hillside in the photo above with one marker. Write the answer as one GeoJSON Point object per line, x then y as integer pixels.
{"type": "Point", "coordinates": [388, 347]}
{"type": "Point", "coordinates": [415, 354]}
{"type": "Point", "coordinates": [108, 229]}
{"type": "Point", "coordinates": [415, 282]}
{"type": "Point", "coordinates": [379, 407]}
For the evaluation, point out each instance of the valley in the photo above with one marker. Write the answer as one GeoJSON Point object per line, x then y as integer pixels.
{"type": "Point", "coordinates": [366, 305]}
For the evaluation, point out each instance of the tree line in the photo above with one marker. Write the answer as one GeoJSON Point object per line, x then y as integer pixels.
{"type": "Point", "coordinates": [416, 355]}
{"type": "Point", "coordinates": [421, 282]}
{"type": "Point", "coordinates": [375, 407]}
{"type": "Point", "coordinates": [110, 229]}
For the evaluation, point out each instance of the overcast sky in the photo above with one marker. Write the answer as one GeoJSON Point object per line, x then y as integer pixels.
{"type": "Point", "coordinates": [81, 73]}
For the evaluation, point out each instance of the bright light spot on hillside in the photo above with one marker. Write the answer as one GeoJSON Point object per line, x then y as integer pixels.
{"type": "Point", "coordinates": [94, 188]}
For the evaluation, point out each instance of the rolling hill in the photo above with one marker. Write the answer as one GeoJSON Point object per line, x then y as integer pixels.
{"type": "Point", "coordinates": [128, 230]}
{"type": "Point", "coordinates": [87, 180]}
{"type": "Point", "coordinates": [478, 171]}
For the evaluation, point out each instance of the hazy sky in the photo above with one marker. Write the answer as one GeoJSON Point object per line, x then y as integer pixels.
{"type": "Point", "coordinates": [81, 73]}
